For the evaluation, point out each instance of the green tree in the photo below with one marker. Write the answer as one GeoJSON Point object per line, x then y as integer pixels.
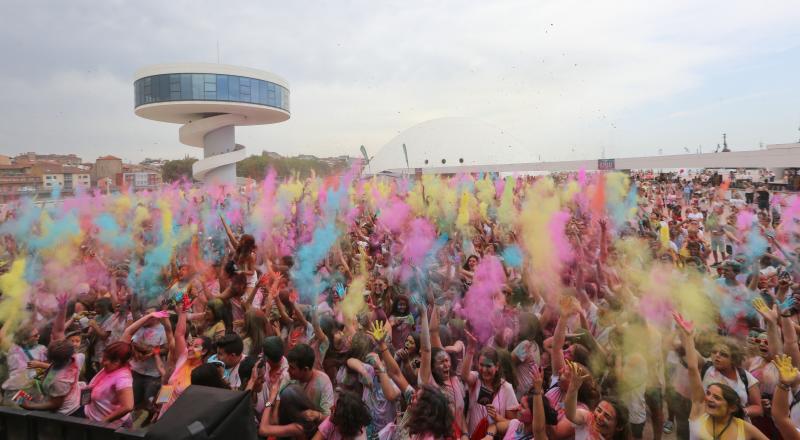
{"type": "Point", "coordinates": [175, 170]}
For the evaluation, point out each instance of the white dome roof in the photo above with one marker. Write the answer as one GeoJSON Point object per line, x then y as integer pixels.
{"type": "Point", "coordinates": [456, 141]}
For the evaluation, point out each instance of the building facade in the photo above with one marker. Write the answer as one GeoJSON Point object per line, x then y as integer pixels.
{"type": "Point", "coordinates": [106, 167]}
{"type": "Point", "coordinates": [138, 177]}
{"type": "Point", "coordinates": [63, 159]}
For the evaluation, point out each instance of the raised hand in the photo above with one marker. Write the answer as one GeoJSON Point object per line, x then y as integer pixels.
{"type": "Point", "coordinates": [579, 376]}
{"type": "Point", "coordinates": [340, 290]}
{"type": "Point", "coordinates": [787, 305]}
{"type": "Point", "coordinates": [377, 331]}
{"type": "Point", "coordinates": [568, 306]}
{"type": "Point", "coordinates": [769, 314]}
{"type": "Point", "coordinates": [686, 326]}
{"type": "Point", "coordinates": [62, 299]}
{"type": "Point", "coordinates": [472, 341]}
{"type": "Point", "coordinates": [538, 379]}
{"type": "Point", "coordinates": [160, 314]}
{"type": "Point", "coordinates": [374, 360]}
{"type": "Point", "coordinates": [788, 372]}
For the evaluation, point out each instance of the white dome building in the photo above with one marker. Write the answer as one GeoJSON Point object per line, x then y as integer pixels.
{"type": "Point", "coordinates": [450, 145]}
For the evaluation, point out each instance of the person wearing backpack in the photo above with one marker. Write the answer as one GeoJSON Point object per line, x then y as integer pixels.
{"type": "Point", "coordinates": [725, 366]}
{"type": "Point", "coordinates": [717, 412]}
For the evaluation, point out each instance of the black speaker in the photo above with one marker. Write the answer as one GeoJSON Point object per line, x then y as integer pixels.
{"type": "Point", "coordinates": [207, 413]}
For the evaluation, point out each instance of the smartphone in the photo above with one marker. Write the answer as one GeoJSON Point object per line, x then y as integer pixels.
{"type": "Point", "coordinates": [164, 394]}
{"type": "Point", "coordinates": [485, 396]}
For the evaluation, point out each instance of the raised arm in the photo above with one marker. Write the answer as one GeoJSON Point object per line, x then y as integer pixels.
{"type": "Point", "coordinates": [790, 346]}
{"type": "Point", "coordinates": [539, 425]}
{"type": "Point", "coordinates": [466, 364]}
{"type": "Point", "coordinates": [780, 400]}
{"type": "Point", "coordinates": [425, 343]}
{"type": "Point", "coordinates": [231, 238]}
{"type": "Point", "coordinates": [571, 411]}
{"type": "Point", "coordinates": [139, 323]}
{"type": "Point", "coordinates": [180, 337]}
{"type": "Point", "coordinates": [390, 390]}
{"type": "Point", "coordinates": [771, 318]}
{"type": "Point", "coordinates": [603, 241]}
{"type": "Point", "coordinates": [685, 332]}
{"type": "Point", "coordinates": [378, 333]}
{"type": "Point", "coordinates": [61, 317]}
{"type": "Point", "coordinates": [318, 333]}
{"type": "Point", "coordinates": [560, 334]}
{"type": "Point", "coordinates": [754, 279]}
{"type": "Point", "coordinates": [436, 341]}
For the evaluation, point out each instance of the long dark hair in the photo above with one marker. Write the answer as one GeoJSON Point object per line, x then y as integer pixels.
{"type": "Point", "coordinates": [491, 353]}
{"type": "Point", "coordinates": [247, 245]}
{"type": "Point", "coordinates": [221, 312]}
{"type": "Point", "coordinates": [506, 367]}
{"type": "Point", "coordinates": [350, 415]}
{"type": "Point", "coordinates": [623, 431]}
{"type": "Point", "coordinates": [254, 328]}
{"type": "Point", "coordinates": [293, 402]}
{"type": "Point", "coordinates": [431, 414]}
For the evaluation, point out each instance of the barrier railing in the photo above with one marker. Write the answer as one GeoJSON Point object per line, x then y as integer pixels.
{"type": "Point", "coordinates": [17, 424]}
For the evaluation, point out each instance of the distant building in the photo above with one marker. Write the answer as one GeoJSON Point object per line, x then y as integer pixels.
{"type": "Point", "coordinates": [138, 177]}
{"type": "Point", "coordinates": [106, 167]}
{"type": "Point", "coordinates": [63, 159]}
{"type": "Point", "coordinates": [17, 180]}
{"type": "Point", "coordinates": [5, 160]}
{"type": "Point", "coordinates": [24, 178]}
{"type": "Point", "coordinates": [157, 163]}
{"type": "Point", "coordinates": [67, 178]}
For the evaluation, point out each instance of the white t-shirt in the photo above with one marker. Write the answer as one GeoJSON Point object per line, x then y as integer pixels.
{"type": "Point", "coordinates": [504, 400]}
{"type": "Point", "coordinates": [527, 353]}
{"type": "Point", "coordinates": [153, 336]}
{"type": "Point", "coordinates": [714, 376]}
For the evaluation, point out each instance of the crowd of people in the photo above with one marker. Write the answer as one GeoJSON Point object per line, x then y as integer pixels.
{"type": "Point", "coordinates": [572, 306]}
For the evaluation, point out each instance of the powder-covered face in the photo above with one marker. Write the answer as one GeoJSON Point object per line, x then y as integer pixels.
{"type": "Point", "coordinates": [195, 349]}
{"type": "Point", "coordinates": [410, 344]}
{"type": "Point", "coordinates": [442, 364]}
{"type": "Point", "coordinates": [721, 357]}
{"type": "Point", "coordinates": [487, 369]}
{"type": "Point", "coordinates": [402, 307]}
{"type": "Point", "coordinates": [605, 419]}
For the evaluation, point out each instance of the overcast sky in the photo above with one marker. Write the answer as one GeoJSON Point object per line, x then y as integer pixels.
{"type": "Point", "coordinates": [566, 77]}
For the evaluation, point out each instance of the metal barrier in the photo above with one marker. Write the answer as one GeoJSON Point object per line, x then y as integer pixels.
{"type": "Point", "coordinates": [17, 424]}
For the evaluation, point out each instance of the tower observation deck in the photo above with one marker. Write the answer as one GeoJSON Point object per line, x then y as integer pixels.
{"type": "Point", "coordinates": [210, 100]}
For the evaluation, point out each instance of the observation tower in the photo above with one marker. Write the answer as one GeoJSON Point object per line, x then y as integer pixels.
{"type": "Point", "coordinates": [210, 100]}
